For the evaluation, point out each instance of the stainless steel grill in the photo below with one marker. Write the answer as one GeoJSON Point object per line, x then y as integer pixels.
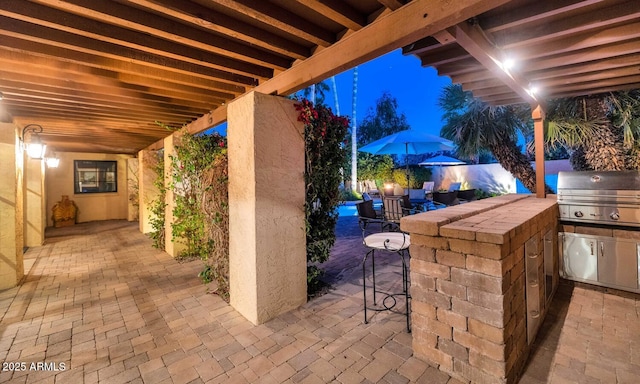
{"type": "Point", "coordinates": [594, 203]}
{"type": "Point", "coordinates": [609, 198]}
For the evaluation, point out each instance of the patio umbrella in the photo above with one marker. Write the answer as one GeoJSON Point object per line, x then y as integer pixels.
{"type": "Point", "coordinates": [408, 142]}
{"type": "Point", "coordinates": [440, 161]}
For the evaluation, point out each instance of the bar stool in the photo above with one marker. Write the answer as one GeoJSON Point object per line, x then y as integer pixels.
{"type": "Point", "coordinates": [392, 242]}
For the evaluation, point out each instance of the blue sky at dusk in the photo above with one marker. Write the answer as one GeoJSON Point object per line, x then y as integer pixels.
{"type": "Point", "coordinates": [415, 88]}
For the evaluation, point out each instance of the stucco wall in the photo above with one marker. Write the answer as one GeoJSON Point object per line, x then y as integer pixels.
{"type": "Point", "coordinates": [34, 209]}
{"type": "Point", "coordinates": [11, 208]}
{"type": "Point", "coordinates": [91, 206]}
{"type": "Point", "coordinates": [488, 177]}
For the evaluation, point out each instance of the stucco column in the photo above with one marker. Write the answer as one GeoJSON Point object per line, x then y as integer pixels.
{"type": "Point", "coordinates": [170, 246]}
{"type": "Point", "coordinates": [35, 218]}
{"type": "Point", "coordinates": [133, 186]}
{"type": "Point", "coordinates": [147, 191]}
{"type": "Point", "coordinates": [267, 243]}
{"type": "Point", "coordinates": [11, 208]}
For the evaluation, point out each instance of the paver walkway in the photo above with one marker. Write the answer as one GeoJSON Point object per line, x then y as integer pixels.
{"type": "Point", "coordinates": [101, 301]}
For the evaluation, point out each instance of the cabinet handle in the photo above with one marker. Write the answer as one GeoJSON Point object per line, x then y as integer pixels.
{"type": "Point", "coordinates": [591, 243]}
{"type": "Point", "coordinates": [602, 249]}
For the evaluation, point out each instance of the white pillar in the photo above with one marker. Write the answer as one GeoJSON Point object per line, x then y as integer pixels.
{"type": "Point", "coordinates": [267, 242]}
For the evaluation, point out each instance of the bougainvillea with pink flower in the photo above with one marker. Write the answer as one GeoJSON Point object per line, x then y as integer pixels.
{"type": "Point", "coordinates": [325, 155]}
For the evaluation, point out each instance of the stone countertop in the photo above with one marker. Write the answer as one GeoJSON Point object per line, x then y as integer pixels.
{"type": "Point", "coordinates": [494, 220]}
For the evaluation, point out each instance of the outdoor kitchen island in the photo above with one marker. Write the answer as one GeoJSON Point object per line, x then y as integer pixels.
{"type": "Point", "coordinates": [482, 276]}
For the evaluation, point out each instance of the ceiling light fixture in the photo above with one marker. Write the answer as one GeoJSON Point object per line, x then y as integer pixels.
{"type": "Point", "coordinates": [508, 63]}
{"type": "Point", "coordinates": [533, 90]}
{"type": "Point", "coordinates": [35, 148]}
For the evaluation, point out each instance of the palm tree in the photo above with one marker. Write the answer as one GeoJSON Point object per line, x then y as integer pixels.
{"type": "Point", "coordinates": [476, 126]}
{"type": "Point", "coordinates": [354, 133]}
{"type": "Point", "coordinates": [600, 131]}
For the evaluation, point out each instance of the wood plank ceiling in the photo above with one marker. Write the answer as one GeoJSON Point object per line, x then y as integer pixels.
{"type": "Point", "coordinates": [98, 75]}
{"type": "Point", "coordinates": [559, 48]}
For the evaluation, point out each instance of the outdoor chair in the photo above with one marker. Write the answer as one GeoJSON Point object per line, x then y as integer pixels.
{"type": "Point", "coordinates": [368, 215]}
{"type": "Point", "coordinates": [371, 188]}
{"type": "Point", "coordinates": [467, 195]}
{"type": "Point", "coordinates": [428, 188]}
{"type": "Point", "coordinates": [391, 242]}
{"type": "Point", "coordinates": [444, 199]}
{"type": "Point", "coordinates": [366, 197]}
{"type": "Point", "coordinates": [396, 207]}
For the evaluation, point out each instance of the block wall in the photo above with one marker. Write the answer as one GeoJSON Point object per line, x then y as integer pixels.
{"type": "Point", "coordinates": [468, 285]}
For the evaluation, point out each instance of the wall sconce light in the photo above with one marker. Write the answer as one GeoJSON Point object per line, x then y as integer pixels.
{"type": "Point", "coordinates": [35, 148]}
{"type": "Point", "coordinates": [52, 162]}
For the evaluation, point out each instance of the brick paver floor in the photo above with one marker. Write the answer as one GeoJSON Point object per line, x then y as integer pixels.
{"type": "Point", "coordinates": [100, 305]}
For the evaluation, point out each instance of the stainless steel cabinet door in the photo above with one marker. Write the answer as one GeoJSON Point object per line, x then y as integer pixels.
{"type": "Point", "coordinates": [618, 263]}
{"type": "Point", "coordinates": [580, 257]}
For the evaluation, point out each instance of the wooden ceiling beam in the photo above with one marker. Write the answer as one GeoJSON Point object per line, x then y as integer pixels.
{"type": "Point", "coordinates": [601, 65]}
{"type": "Point", "coordinates": [96, 100]}
{"type": "Point", "coordinates": [154, 69]}
{"type": "Point", "coordinates": [412, 22]}
{"type": "Point", "coordinates": [421, 46]}
{"type": "Point", "coordinates": [226, 25]}
{"type": "Point", "coordinates": [338, 11]}
{"type": "Point", "coordinates": [596, 85]}
{"type": "Point", "coordinates": [392, 4]}
{"type": "Point", "coordinates": [606, 14]}
{"type": "Point", "coordinates": [106, 88]}
{"type": "Point", "coordinates": [482, 83]}
{"type": "Point", "coordinates": [585, 56]}
{"type": "Point", "coordinates": [68, 127]}
{"type": "Point", "coordinates": [70, 109]}
{"type": "Point", "coordinates": [474, 41]}
{"type": "Point", "coordinates": [591, 76]}
{"type": "Point", "coordinates": [152, 78]}
{"type": "Point", "coordinates": [621, 87]}
{"type": "Point", "coordinates": [146, 50]}
{"type": "Point", "coordinates": [279, 18]}
{"type": "Point", "coordinates": [129, 26]}
{"type": "Point", "coordinates": [572, 43]}
{"type": "Point", "coordinates": [533, 12]}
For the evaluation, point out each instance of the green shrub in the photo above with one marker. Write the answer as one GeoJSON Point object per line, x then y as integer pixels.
{"type": "Point", "coordinates": [155, 162]}
{"type": "Point", "coordinates": [199, 181]}
{"type": "Point", "coordinates": [417, 176]}
{"type": "Point", "coordinates": [349, 195]}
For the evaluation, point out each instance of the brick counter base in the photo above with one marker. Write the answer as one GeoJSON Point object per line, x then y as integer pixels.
{"type": "Point", "coordinates": [468, 284]}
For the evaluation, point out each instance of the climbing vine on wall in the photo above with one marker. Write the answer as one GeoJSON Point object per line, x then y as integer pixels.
{"type": "Point", "coordinates": [155, 162]}
{"type": "Point", "coordinates": [201, 212]}
{"type": "Point", "coordinates": [325, 155]}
